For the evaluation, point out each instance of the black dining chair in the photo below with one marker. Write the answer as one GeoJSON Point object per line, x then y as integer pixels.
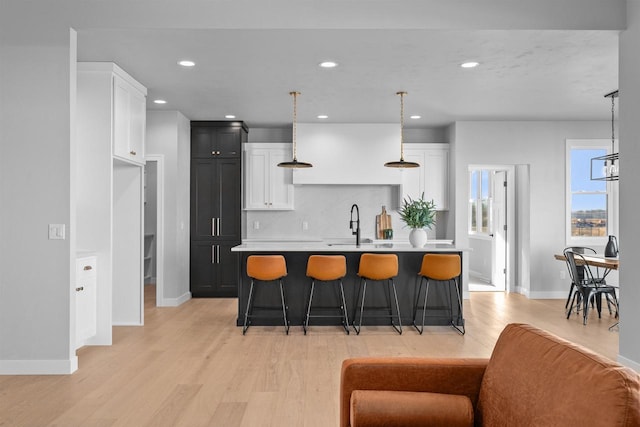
{"type": "Point", "coordinates": [589, 287]}
{"type": "Point", "coordinates": [580, 269]}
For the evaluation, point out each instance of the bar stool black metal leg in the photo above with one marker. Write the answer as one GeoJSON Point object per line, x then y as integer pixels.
{"type": "Point", "coordinates": [284, 308]}
{"type": "Point", "coordinates": [415, 304]}
{"type": "Point", "coordinates": [345, 320]}
{"type": "Point", "coordinates": [246, 312]}
{"type": "Point", "coordinates": [395, 296]}
{"type": "Point", "coordinates": [460, 320]}
{"type": "Point", "coordinates": [363, 284]}
{"type": "Point", "coordinates": [305, 325]}
{"type": "Point", "coordinates": [424, 307]}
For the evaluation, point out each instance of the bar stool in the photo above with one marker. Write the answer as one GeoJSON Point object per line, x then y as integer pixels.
{"type": "Point", "coordinates": [442, 268]}
{"type": "Point", "coordinates": [327, 268]}
{"type": "Point", "coordinates": [378, 267]}
{"type": "Point", "coordinates": [265, 268]}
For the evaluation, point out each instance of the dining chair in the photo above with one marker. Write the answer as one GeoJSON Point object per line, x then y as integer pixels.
{"type": "Point", "coordinates": [580, 269]}
{"type": "Point", "coordinates": [589, 287]}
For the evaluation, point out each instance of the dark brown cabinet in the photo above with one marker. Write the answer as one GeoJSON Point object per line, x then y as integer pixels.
{"type": "Point", "coordinates": [216, 198]}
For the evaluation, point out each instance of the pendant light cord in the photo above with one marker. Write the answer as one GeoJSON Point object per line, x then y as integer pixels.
{"type": "Point", "coordinates": [613, 130]}
{"type": "Point", "coordinates": [402, 94]}
{"type": "Point", "coordinates": [295, 119]}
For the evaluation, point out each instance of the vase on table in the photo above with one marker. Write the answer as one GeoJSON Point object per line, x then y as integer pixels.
{"type": "Point", "coordinates": [418, 237]}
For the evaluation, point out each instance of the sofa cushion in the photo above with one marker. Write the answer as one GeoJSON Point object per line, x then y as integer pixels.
{"type": "Point", "coordinates": [378, 408]}
{"type": "Point", "coordinates": [537, 379]}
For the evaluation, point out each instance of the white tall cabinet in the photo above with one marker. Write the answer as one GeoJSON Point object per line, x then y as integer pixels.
{"type": "Point", "coordinates": [111, 112]}
{"type": "Point", "coordinates": [86, 298]}
{"type": "Point", "coordinates": [267, 186]}
{"type": "Point", "coordinates": [432, 177]}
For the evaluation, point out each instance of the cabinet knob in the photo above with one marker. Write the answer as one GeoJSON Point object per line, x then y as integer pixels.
{"type": "Point", "coordinates": [81, 288]}
{"type": "Point", "coordinates": [133, 153]}
{"type": "Point", "coordinates": [218, 153]}
{"type": "Point", "coordinates": [87, 267]}
{"type": "Point", "coordinates": [213, 153]}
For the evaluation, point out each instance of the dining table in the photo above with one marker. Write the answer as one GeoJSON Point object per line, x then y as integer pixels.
{"type": "Point", "coordinates": [595, 260]}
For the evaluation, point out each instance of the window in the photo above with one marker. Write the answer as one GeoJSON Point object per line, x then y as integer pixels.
{"type": "Point", "coordinates": [479, 199]}
{"type": "Point", "coordinates": [589, 202]}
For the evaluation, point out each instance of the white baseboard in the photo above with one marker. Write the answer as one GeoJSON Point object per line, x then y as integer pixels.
{"type": "Point", "coordinates": [629, 363]}
{"type": "Point", "coordinates": [39, 367]}
{"type": "Point", "coordinates": [174, 302]}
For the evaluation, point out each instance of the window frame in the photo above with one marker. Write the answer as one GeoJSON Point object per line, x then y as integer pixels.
{"type": "Point", "coordinates": [478, 199]}
{"type": "Point", "coordinates": [611, 195]}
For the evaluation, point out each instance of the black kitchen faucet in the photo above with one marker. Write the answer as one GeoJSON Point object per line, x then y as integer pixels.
{"type": "Point", "coordinates": [357, 221]}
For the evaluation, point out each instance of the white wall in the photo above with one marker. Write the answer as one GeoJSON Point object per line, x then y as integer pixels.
{"type": "Point", "coordinates": [36, 150]}
{"type": "Point", "coordinates": [541, 146]}
{"type": "Point", "coordinates": [168, 134]}
{"type": "Point", "coordinates": [629, 107]}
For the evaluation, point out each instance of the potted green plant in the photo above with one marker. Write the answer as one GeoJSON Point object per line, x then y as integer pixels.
{"type": "Point", "coordinates": [418, 214]}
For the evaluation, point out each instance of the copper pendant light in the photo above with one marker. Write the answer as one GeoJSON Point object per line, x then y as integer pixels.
{"type": "Point", "coordinates": [294, 164]}
{"type": "Point", "coordinates": [401, 163]}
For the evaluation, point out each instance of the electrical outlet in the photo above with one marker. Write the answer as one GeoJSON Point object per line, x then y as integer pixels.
{"type": "Point", "coordinates": [305, 225]}
{"type": "Point", "coordinates": [563, 274]}
{"type": "Point", "coordinates": [256, 225]}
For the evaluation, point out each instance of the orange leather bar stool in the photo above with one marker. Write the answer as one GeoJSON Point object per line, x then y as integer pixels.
{"type": "Point", "coordinates": [327, 268]}
{"type": "Point", "coordinates": [382, 268]}
{"type": "Point", "coordinates": [445, 269]}
{"type": "Point", "coordinates": [265, 268]}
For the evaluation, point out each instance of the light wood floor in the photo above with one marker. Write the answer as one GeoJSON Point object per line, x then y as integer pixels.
{"type": "Point", "coordinates": [190, 366]}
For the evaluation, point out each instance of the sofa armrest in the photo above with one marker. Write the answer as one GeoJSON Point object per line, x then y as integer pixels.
{"type": "Point", "coordinates": [449, 376]}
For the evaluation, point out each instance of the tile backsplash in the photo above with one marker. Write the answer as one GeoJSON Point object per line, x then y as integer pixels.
{"type": "Point", "coordinates": [323, 211]}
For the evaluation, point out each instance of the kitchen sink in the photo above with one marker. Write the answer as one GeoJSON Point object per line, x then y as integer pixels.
{"type": "Point", "coordinates": [351, 242]}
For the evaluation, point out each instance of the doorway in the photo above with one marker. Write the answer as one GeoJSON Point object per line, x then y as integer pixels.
{"type": "Point", "coordinates": [153, 250]}
{"type": "Point", "coordinates": [491, 218]}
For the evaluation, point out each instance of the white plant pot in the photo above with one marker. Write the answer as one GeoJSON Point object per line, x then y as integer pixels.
{"type": "Point", "coordinates": [418, 237]}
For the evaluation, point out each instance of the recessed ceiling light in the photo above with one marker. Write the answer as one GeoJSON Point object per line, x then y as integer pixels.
{"type": "Point", "coordinates": [323, 116]}
{"type": "Point", "coordinates": [160, 101]}
{"type": "Point", "coordinates": [229, 116]}
{"type": "Point", "coordinates": [328, 64]}
{"type": "Point", "coordinates": [470, 64]}
{"type": "Point", "coordinates": [186, 63]}
{"type": "Point", "coordinates": [416, 117]}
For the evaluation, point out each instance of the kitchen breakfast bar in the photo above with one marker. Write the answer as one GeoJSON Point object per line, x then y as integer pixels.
{"type": "Point", "coordinates": [297, 285]}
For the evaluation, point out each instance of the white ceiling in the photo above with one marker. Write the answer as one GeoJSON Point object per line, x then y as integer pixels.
{"type": "Point", "coordinates": [524, 75]}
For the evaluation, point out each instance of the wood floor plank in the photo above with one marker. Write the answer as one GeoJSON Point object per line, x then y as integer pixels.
{"type": "Point", "coordinates": [190, 366]}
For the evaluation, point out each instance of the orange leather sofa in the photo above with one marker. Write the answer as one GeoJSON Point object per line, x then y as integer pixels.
{"type": "Point", "coordinates": [533, 378]}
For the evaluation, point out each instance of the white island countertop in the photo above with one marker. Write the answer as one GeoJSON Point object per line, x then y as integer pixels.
{"type": "Point", "coordinates": [366, 245]}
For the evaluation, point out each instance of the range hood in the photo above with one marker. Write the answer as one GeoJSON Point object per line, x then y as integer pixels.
{"type": "Point", "coordinates": [348, 153]}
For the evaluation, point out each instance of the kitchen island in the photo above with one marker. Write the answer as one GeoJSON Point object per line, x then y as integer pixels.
{"type": "Point", "coordinates": [297, 284]}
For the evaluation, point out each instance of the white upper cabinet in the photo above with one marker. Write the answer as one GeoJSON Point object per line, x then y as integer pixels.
{"type": "Point", "coordinates": [267, 186]}
{"type": "Point", "coordinates": [129, 120]}
{"type": "Point", "coordinates": [432, 177]}
{"type": "Point", "coordinates": [119, 97]}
